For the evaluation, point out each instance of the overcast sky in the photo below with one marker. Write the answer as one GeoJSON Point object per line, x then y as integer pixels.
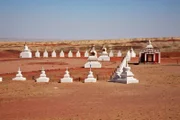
{"type": "Point", "coordinates": [89, 19]}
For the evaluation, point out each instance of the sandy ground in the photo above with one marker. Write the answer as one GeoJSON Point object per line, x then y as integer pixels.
{"type": "Point", "coordinates": [156, 97]}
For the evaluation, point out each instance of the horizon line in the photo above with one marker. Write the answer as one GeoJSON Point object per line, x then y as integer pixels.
{"type": "Point", "coordinates": [55, 39]}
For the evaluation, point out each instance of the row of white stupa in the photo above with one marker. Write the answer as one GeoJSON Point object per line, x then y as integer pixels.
{"type": "Point", "coordinates": [123, 73]}
{"type": "Point", "coordinates": [26, 53]}
{"type": "Point", "coordinates": [93, 60]}
{"type": "Point", "coordinates": [44, 78]}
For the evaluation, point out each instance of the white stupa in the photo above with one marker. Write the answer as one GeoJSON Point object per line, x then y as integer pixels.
{"type": "Point", "coordinates": [132, 53]}
{"type": "Point", "coordinates": [19, 76]}
{"type": "Point", "coordinates": [53, 54]}
{"type": "Point", "coordinates": [66, 78]}
{"type": "Point", "coordinates": [70, 54]}
{"type": "Point", "coordinates": [104, 55]}
{"type": "Point", "coordinates": [127, 76]}
{"type": "Point", "coordinates": [78, 54]}
{"type": "Point", "coordinates": [149, 46]}
{"type": "Point", "coordinates": [37, 54]}
{"type": "Point", "coordinates": [92, 59]}
{"type": "Point", "coordinates": [26, 53]}
{"type": "Point", "coordinates": [0, 79]}
{"type": "Point", "coordinates": [90, 77]}
{"type": "Point", "coordinates": [61, 53]}
{"type": "Point", "coordinates": [42, 77]}
{"type": "Point", "coordinates": [111, 54]}
{"type": "Point", "coordinates": [86, 54]}
{"type": "Point", "coordinates": [45, 54]}
{"type": "Point", "coordinates": [119, 54]}
{"type": "Point", "coordinates": [128, 56]}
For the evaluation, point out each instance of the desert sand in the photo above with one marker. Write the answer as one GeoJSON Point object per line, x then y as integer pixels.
{"type": "Point", "coordinates": [156, 97]}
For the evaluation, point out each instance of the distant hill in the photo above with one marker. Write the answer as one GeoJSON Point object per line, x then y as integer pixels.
{"type": "Point", "coordinates": [165, 44]}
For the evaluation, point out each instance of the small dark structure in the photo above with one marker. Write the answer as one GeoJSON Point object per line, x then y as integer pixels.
{"type": "Point", "coordinates": [150, 54]}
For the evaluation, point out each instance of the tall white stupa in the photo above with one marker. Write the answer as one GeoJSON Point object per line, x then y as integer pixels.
{"type": "Point", "coordinates": [127, 76]}
{"type": "Point", "coordinates": [92, 59]}
{"type": "Point", "coordinates": [104, 55]}
{"type": "Point", "coordinates": [67, 78]}
{"type": "Point", "coordinates": [19, 76]}
{"type": "Point", "coordinates": [42, 77]}
{"type": "Point", "coordinates": [26, 53]}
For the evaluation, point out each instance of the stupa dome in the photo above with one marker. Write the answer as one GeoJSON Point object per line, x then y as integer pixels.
{"type": "Point", "coordinates": [149, 46]}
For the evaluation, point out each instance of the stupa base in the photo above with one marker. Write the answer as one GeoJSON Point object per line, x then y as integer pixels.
{"type": "Point", "coordinates": [90, 80]}
{"type": "Point", "coordinates": [94, 64]}
{"type": "Point", "coordinates": [127, 80]}
{"type": "Point", "coordinates": [42, 79]}
{"type": "Point", "coordinates": [66, 80]}
{"type": "Point", "coordinates": [104, 58]}
{"type": "Point", "coordinates": [19, 78]}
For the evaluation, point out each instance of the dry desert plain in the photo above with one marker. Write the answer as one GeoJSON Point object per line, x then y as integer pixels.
{"type": "Point", "coordinates": [156, 97]}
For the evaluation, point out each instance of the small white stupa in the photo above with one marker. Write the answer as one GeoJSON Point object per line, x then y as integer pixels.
{"type": "Point", "coordinates": [45, 54]}
{"type": "Point", "coordinates": [119, 54]}
{"type": "Point", "coordinates": [104, 55]}
{"type": "Point", "coordinates": [90, 77]}
{"type": "Point", "coordinates": [61, 53]}
{"type": "Point", "coordinates": [86, 54]}
{"type": "Point", "coordinates": [19, 76]}
{"type": "Point", "coordinates": [67, 77]}
{"type": "Point", "coordinates": [132, 53]}
{"type": "Point", "coordinates": [127, 76]}
{"type": "Point", "coordinates": [0, 79]}
{"type": "Point", "coordinates": [149, 46]}
{"type": "Point", "coordinates": [42, 77]}
{"type": "Point", "coordinates": [26, 53]}
{"type": "Point", "coordinates": [92, 59]}
{"type": "Point", "coordinates": [78, 54]}
{"type": "Point", "coordinates": [37, 54]}
{"type": "Point", "coordinates": [128, 56]}
{"type": "Point", "coordinates": [111, 54]}
{"type": "Point", "coordinates": [70, 54]}
{"type": "Point", "coordinates": [53, 54]}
